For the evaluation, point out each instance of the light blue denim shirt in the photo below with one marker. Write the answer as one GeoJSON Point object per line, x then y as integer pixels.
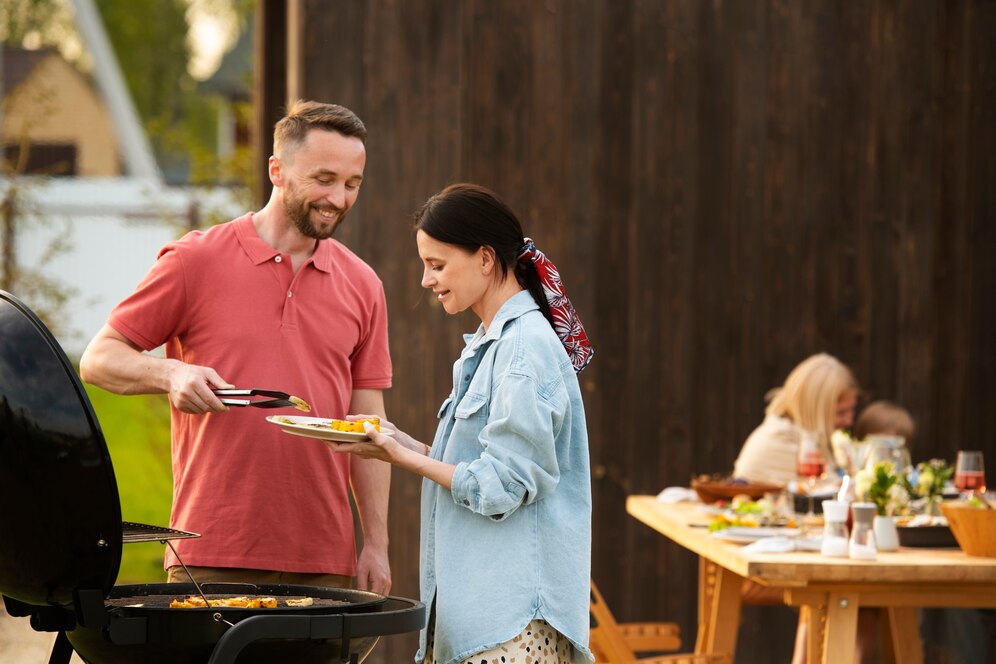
{"type": "Point", "coordinates": [512, 541]}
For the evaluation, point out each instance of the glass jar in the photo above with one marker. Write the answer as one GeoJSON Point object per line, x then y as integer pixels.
{"type": "Point", "coordinates": [835, 535]}
{"type": "Point", "coordinates": [862, 545]}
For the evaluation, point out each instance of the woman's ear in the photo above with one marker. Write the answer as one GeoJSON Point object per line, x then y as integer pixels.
{"type": "Point", "coordinates": [487, 260]}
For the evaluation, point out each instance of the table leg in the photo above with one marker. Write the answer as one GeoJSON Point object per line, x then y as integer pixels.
{"type": "Point", "coordinates": [813, 618]}
{"type": "Point", "coordinates": [904, 635]}
{"type": "Point", "coordinates": [719, 609]}
{"type": "Point", "coordinates": [841, 628]}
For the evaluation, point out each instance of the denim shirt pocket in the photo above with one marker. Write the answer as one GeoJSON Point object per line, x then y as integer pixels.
{"type": "Point", "coordinates": [473, 405]}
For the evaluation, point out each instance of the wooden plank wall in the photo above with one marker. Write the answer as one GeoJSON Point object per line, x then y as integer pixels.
{"type": "Point", "coordinates": [727, 186]}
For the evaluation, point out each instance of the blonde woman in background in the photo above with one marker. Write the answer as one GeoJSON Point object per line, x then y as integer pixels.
{"type": "Point", "coordinates": [818, 396]}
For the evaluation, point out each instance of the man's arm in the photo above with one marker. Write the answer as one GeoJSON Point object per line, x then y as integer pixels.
{"type": "Point", "coordinates": [115, 363]}
{"type": "Point", "coordinates": [371, 481]}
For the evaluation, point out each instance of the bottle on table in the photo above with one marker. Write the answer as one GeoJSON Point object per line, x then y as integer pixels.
{"type": "Point", "coordinates": [862, 544]}
{"type": "Point", "coordinates": [835, 534]}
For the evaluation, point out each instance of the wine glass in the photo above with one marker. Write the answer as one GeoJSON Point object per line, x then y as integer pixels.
{"type": "Point", "coordinates": [970, 472]}
{"type": "Point", "coordinates": [811, 465]}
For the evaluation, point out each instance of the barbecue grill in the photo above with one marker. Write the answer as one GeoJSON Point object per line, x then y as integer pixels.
{"type": "Point", "coordinates": [64, 536]}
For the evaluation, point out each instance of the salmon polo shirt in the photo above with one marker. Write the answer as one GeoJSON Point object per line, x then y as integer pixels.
{"type": "Point", "coordinates": [224, 299]}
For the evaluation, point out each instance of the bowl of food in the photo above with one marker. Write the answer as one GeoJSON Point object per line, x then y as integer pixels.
{"type": "Point", "coordinates": [711, 489]}
{"type": "Point", "coordinates": [974, 526]}
{"type": "Point", "coordinates": [925, 531]}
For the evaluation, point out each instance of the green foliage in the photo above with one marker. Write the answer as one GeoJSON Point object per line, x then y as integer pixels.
{"type": "Point", "coordinates": [35, 22]}
{"type": "Point", "coordinates": [136, 429]}
{"type": "Point", "coordinates": [150, 40]}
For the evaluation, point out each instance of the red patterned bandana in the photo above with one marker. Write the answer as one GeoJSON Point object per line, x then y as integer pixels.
{"type": "Point", "coordinates": [565, 320]}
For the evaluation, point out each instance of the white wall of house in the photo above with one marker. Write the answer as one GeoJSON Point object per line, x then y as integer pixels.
{"type": "Point", "coordinates": [115, 228]}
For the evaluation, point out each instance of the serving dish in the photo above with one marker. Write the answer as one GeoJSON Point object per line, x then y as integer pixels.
{"type": "Point", "coordinates": [926, 536]}
{"type": "Point", "coordinates": [973, 527]}
{"type": "Point", "coordinates": [710, 490]}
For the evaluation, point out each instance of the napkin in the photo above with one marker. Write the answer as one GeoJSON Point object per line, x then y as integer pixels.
{"type": "Point", "coordinates": [678, 494]}
{"type": "Point", "coordinates": [779, 544]}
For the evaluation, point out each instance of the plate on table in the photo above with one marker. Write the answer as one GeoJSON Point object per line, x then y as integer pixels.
{"type": "Point", "coordinates": [318, 427]}
{"type": "Point", "coordinates": [745, 535]}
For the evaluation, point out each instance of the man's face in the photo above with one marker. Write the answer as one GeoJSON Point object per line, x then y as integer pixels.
{"type": "Point", "coordinates": [320, 180]}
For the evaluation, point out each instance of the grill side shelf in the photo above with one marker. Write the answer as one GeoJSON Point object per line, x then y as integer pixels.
{"type": "Point", "coordinates": [140, 532]}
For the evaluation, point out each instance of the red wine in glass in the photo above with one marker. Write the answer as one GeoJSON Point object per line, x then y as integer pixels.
{"type": "Point", "coordinates": [972, 481]}
{"type": "Point", "coordinates": [970, 472]}
{"type": "Point", "coordinates": [812, 467]}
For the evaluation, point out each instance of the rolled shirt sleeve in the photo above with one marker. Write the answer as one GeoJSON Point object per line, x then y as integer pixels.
{"type": "Point", "coordinates": [518, 463]}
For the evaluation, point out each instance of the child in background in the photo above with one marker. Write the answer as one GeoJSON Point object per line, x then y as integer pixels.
{"type": "Point", "coordinates": [886, 418]}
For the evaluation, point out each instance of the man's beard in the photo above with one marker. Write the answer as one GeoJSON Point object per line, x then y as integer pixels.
{"type": "Point", "coordinates": [299, 212]}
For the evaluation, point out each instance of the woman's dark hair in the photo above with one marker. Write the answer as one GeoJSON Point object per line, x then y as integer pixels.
{"type": "Point", "coordinates": [470, 216]}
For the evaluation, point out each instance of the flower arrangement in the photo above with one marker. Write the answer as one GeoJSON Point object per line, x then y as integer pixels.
{"type": "Point", "coordinates": [884, 487]}
{"type": "Point", "coordinates": [930, 480]}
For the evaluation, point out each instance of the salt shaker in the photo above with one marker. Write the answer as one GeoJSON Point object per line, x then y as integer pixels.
{"type": "Point", "coordinates": [862, 545]}
{"type": "Point", "coordinates": [834, 544]}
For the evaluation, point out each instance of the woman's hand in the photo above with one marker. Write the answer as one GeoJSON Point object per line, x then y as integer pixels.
{"type": "Point", "coordinates": [391, 448]}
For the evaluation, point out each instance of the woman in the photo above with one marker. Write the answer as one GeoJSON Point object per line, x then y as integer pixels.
{"type": "Point", "coordinates": [506, 498]}
{"type": "Point", "coordinates": [818, 396]}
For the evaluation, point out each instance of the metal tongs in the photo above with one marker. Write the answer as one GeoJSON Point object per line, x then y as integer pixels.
{"type": "Point", "coordinates": [279, 400]}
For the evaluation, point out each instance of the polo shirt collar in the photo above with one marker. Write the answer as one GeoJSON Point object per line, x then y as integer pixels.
{"type": "Point", "coordinates": [260, 252]}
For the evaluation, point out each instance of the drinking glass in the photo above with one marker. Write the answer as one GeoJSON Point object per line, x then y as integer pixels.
{"type": "Point", "coordinates": [889, 448]}
{"type": "Point", "coordinates": [811, 465]}
{"type": "Point", "coordinates": [970, 472]}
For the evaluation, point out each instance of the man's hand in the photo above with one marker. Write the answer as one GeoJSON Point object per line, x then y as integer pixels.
{"type": "Point", "coordinates": [373, 570]}
{"type": "Point", "coordinates": [190, 389]}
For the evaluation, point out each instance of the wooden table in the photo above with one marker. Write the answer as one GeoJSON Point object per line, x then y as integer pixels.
{"type": "Point", "coordinates": [827, 590]}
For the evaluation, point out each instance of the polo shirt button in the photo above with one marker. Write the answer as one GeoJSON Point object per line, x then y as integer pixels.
{"type": "Point", "coordinates": [278, 259]}
{"type": "Point", "coordinates": [290, 294]}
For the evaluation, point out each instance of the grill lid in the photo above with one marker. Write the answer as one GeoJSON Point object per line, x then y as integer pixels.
{"type": "Point", "coordinates": [61, 516]}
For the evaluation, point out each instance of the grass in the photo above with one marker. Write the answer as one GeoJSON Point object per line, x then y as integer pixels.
{"type": "Point", "coordinates": [136, 429]}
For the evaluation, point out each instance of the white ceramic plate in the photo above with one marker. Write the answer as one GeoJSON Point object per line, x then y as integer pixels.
{"type": "Point", "coordinates": [743, 535]}
{"type": "Point", "coordinates": [306, 426]}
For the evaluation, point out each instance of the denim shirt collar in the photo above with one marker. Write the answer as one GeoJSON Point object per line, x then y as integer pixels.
{"type": "Point", "coordinates": [515, 306]}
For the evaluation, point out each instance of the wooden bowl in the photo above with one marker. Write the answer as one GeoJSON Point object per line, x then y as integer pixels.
{"type": "Point", "coordinates": [973, 527]}
{"type": "Point", "coordinates": [710, 491]}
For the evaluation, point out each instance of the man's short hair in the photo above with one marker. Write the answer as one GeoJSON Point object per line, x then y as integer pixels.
{"type": "Point", "coordinates": [303, 116]}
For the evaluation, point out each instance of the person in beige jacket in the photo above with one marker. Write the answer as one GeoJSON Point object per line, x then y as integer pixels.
{"type": "Point", "coordinates": [818, 396]}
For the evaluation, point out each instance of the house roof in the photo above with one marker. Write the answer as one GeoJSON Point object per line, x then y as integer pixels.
{"type": "Point", "coordinates": [233, 78]}
{"type": "Point", "coordinates": [18, 63]}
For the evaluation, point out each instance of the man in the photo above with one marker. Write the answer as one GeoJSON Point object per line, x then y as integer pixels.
{"type": "Point", "coordinates": [267, 300]}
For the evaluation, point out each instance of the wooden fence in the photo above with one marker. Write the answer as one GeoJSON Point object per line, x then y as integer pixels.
{"type": "Point", "coordinates": [727, 186]}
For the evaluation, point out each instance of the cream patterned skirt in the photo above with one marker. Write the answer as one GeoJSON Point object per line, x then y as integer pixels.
{"type": "Point", "coordinates": [538, 643]}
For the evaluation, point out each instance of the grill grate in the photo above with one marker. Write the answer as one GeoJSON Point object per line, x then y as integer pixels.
{"type": "Point", "coordinates": [140, 532]}
{"type": "Point", "coordinates": [163, 601]}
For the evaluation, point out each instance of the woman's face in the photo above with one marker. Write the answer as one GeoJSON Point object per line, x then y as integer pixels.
{"type": "Point", "coordinates": [843, 416]}
{"type": "Point", "coordinates": [458, 278]}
